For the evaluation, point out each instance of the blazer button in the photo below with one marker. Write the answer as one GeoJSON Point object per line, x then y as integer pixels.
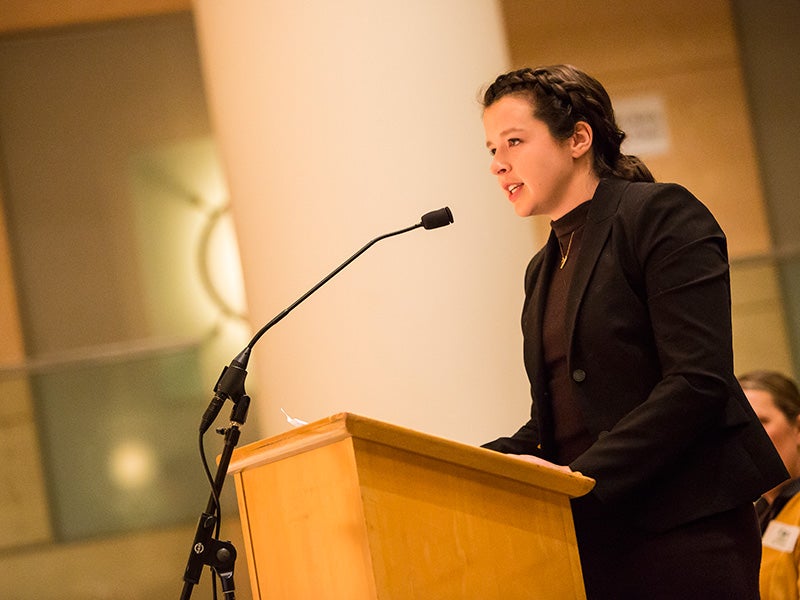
{"type": "Point", "coordinates": [578, 375]}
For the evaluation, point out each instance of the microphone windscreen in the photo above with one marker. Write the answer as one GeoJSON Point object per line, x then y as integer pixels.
{"type": "Point", "coordinates": [437, 218]}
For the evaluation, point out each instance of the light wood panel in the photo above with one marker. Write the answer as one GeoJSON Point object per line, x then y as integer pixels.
{"type": "Point", "coordinates": [23, 498]}
{"type": "Point", "coordinates": [23, 15]}
{"type": "Point", "coordinates": [307, 537]}
{"type": "Point", "coordinates": [758, 328]}
{"type": "Point", "coordinates": [11, 350]}
{"type": "Point", "coordinates": [631, 37]}
{"type": "Point", "coordinates": [711, 148]}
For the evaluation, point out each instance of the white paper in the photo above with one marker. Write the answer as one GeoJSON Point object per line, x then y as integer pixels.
{"type": "Point", "coordinates": [292, 421]}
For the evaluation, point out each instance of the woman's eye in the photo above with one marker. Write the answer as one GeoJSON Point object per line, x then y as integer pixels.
{"type": "Point", "coordinates": [492, 151]}
{"type": "Point", "coordinates": [514, 141]}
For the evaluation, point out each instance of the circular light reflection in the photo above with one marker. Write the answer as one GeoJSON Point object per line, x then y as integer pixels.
{"type": "Point", "coordinates": [132, 465]}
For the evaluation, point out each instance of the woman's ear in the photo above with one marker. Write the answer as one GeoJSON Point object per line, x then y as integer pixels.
{"type": "Point", "coordinates": [581, 139]}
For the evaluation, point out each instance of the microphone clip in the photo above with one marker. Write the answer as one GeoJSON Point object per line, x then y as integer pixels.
{"type": "Point", "coordinates": [230, 385]}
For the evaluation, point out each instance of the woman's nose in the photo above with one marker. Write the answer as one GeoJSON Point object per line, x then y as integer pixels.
{"type": "Point", "coordinates": [498, 166]}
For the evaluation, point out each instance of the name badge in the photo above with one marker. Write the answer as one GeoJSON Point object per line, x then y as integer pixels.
{"type": "Point", "coordinates": [780, 536]}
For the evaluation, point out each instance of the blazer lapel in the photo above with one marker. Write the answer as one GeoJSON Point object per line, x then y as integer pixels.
{"type": "Point", "coordinates": [596, 231]}
{"type": "Point", "coordinates": [536, 297]}
{"type": "Point", "coordinates": [532, 319]}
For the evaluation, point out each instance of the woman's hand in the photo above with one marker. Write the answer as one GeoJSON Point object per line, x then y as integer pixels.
{"type": "Point", "coordinates": [542, 462]}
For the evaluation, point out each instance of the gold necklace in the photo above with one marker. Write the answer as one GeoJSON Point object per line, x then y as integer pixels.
{"type": "Point", "coordinates": [565, 255]}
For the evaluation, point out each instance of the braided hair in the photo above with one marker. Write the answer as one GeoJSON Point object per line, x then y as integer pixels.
{"type": "Point", "coordinates": [561, 96]}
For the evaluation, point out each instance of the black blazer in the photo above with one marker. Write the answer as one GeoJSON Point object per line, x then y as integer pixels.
{"type": "Point", "coordinates": [651, 361]}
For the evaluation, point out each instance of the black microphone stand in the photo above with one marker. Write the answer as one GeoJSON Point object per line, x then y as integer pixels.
{"type": "Point", "coordinates": [206, 548]}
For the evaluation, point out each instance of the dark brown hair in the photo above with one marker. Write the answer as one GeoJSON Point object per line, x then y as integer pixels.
{"type": "Point", "coordinates": [562, 95]}
{"type": "Point", "coordinates": [783, 390]}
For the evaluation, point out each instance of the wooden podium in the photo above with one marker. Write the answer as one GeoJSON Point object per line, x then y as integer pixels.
{"type": "Point", "coordinates": [349, 508]}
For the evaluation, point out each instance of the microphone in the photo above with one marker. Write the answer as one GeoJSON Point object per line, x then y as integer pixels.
{"type": "Point", "coordinates": [231, 382]}
{"type": "Point", "coordinates": [437, 218]}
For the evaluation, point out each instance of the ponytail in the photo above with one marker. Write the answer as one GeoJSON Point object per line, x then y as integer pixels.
{"type": "Point", "coordinates": [631, 168]}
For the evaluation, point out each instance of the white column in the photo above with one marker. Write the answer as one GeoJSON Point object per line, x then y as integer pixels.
{"type": "Point", "coordinates": [338, 122]}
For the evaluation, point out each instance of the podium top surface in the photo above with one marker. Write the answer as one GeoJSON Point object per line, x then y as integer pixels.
{"type": "Point", "coordinates": [347, 425]}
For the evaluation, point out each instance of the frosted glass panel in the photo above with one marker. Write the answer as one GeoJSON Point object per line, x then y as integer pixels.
{"type": "Point", "coordinates": [116, 214]}
{"type": "Point", "coordinates": [118, 445]}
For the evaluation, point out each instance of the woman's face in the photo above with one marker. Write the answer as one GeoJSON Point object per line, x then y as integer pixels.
{"type": "Point", "coordinates": [534, 169]}
{"type": "Point", "coordinates": [785, 435]}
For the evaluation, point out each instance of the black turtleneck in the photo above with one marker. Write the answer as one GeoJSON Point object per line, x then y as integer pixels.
{"type": "Point", "coordinates": [570, 435]}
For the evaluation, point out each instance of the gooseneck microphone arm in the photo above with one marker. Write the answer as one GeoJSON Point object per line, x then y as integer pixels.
{"type": "Point", "coordinates": [231, 381]}
{"type": "Point", "coordinates": [325, 280]}
{"type": "Point", "coordinates": [431, 220]}
{"type": "Point", "coordinates": [206, 549]}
